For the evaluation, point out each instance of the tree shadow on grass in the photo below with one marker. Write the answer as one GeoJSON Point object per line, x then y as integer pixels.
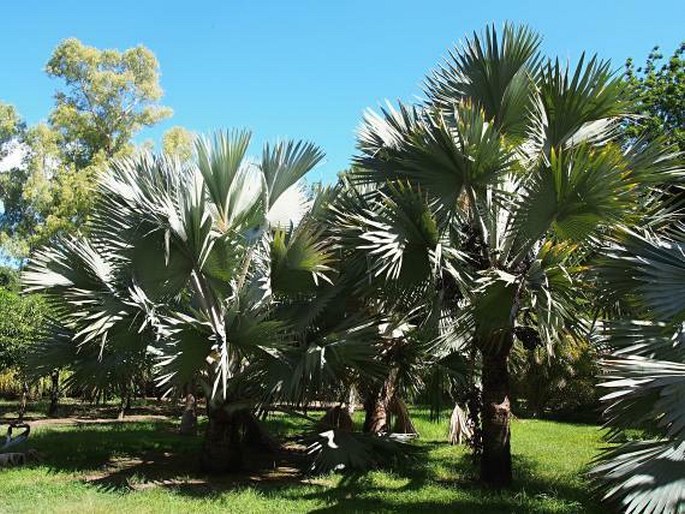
{"type": "Point", "coordinates": [135, 456]}
{"type": "Point", "coordinates": [463, 492]}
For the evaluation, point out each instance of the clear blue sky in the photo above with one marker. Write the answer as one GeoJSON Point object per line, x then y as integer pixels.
{"type": "Point", "coordinates": [304, 69]}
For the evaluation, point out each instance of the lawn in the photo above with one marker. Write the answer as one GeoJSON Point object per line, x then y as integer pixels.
{"type": "Point", "coordinates": [143, 467]}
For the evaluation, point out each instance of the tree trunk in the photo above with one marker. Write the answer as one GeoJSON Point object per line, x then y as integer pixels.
{"type": "Point", "coordinates": [228, 433]}
{"type": "Point", "coordinates": [377, 406]}
{"type": "Point", "coordinates": [222, 449]}
{"type": "Point", "coordinates": [122, 409]}
{"type": "Point", "coordinates": [459, 431]}
{"type": "Point", "coordinates": [125, 406]}
{"type": "Point", "coordinates": [54, 393]}
{"type": "Point", "coordinates": [496, 468]}
{"type": "Point", "coordinates": [189, 418]}
{"type": "Point", "coordinates": [376, 414]}
{"type": "Point", "coordinates": [337, 417]}
{"type": "Point", "coordinates": [402, 421]}
{"type": "Point", "coordinates": [24, 399]}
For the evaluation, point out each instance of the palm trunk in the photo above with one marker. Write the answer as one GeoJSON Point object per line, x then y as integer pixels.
{"type": "Point", "coordinates": [222, 449]}
{"type": "Point", "coordinates": [228, 433]}
{"type": "Point", "coordinates": [376, 414]}
{"type": "Point", "coordinates": [189, 418]}
{"type": "Point", "coordinates": [54, 393]}
{"type": "Point", "coordinates": [459, 430]}
{"type": "Point", "coordinates": [496, 470]}
{"type": "Point", "coordinates": [337, 417]}
{"type": "Point", "coordinates": [402, 420]}
{"type": "Point", "coordinates": [125, 406]}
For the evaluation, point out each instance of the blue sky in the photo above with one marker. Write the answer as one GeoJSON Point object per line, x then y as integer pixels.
{"type": "Point", "coordinates": [304, 69]}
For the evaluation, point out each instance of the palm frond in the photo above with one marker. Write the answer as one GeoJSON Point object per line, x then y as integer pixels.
{"type": "Point", "coordinates": [644, 477]}
{"type": "Point", "coordinates": [495, 72]}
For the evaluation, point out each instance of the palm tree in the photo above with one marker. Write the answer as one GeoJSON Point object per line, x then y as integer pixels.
{"type": "Point", "coordinates": [518, 158]}
{"type": "Point", "coordinates": [645, 373]}
{"type": "Point", "coordinates": [184, 263]}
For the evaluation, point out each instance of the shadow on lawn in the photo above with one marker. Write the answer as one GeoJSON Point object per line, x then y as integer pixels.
{"type": "Point", "coordinates": [136, 456]}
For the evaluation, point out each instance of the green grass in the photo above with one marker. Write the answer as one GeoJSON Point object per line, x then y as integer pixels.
{"type": "Point", "coordinates": [145, 467]}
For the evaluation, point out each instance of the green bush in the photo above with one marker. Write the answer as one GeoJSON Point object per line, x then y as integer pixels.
{"type": "Point", "coordinates": [558, 384]}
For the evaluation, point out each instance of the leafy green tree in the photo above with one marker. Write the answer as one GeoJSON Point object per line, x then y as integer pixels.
{"type": "Point", "coordinates": [644, 377]}
{"type": "Point", "coordinates": [660, 91]}
{"type": "Point", "coordinates": [10, 125]}
{"type": "Point", "coordinates": [557, 384]}
{"type": "Point", "coordinates": [179, 142]}
{"type": "Point", "coordinates": [21, 319]}
{"type": "Point", "coordinates": [9, 278]}
{"type": "Point", "coordinates": [21, 325]}
{"type": "Point", "coordinates": [520, 159]}
{"type": "Point", "coordinates": [107, 97]}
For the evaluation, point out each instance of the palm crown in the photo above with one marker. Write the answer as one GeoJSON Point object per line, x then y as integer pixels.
{"type": "Point", "coordinates": [178, 260]}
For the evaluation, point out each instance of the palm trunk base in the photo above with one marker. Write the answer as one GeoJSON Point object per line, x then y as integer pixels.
{"type": "Point", "coordinates": [459, 431]}
{"type": "Point", "coordinates": [376, 416]}
{"type": "Point", "coordinates": [227, 437]}
{"type": "Point", "coordinates": [337, 417]}
{"type": "Point", "coordinates": [189, 418]}
{"type": "Point", "coordinates": [54, 394]}
{"type": "Point", "coordinates": [402, 423]}
{"type": "Point", "coordinates": [496, 468]}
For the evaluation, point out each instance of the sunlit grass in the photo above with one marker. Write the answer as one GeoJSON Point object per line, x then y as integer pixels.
{"type": "Point", "coordinates": [158, 473]}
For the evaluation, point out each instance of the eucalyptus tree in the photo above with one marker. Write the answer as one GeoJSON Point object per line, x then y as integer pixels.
{"type": "Point", "coordinates": [519, 159]}
{"type": "Point", "coordinates": [185, 263]}
{"type": "Point", "coordinates": [644, 376]}
{"type": "Point", "coordinates": [104, 99]}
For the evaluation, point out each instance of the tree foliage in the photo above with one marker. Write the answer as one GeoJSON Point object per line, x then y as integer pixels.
{"type": "Point", "coordinates": [660, 90]}
{"type": "Point", "coordinates": [107, 96]}
{"type": "Point", "coordinates": [178, 260]}
{"type": "Point", "coordinates": [10, 125]}
{"type": "Point", "coordinates": [22, 321]}
{"type": "Point", "coordinates": [179, 142]}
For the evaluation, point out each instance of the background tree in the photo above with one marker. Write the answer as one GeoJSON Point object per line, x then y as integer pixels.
{"type": "Point", "coordinates": [386, 237]}
{"type": "Point", "coordinates": [557, 384]}
{"type": "Point", "coordinates": [660, 91]}
{"type": "Point", "coordinates": [22, 321]}
{"type": "Point", "coordinates": [107, 97]}
{"type": "Point", "coordinates": [179, 142]}
{"type": "Point", "coordinates": [10, 125]}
